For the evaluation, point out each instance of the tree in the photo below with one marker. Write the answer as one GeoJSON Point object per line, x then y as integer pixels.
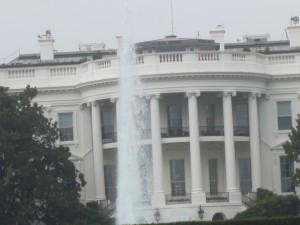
{"type": "Point", "coordinates": [292, 149]}
{"type": "Point", "coordinates": [271, 205]}
{"type": "Point", "coordinates": [38, 184]}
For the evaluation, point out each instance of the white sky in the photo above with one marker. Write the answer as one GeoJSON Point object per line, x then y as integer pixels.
{"type": "Point", "coordinates": [85, 21]}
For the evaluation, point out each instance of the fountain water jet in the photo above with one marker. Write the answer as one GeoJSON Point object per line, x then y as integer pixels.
{"type": "Point", "coordinates": [133, 158]}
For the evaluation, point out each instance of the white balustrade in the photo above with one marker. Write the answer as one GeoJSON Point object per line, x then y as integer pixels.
{"type": "Point", "coordinates": [281, 59]}
{"type": "Point", "coordinates": [157, 63]}
{"type": "Point", "coordinates": [21, 74]}
{"type": "Point", "coordinates": [170, 57]}
{"type": "Point", "coordinates": [63, 71]}
{"type": "Point", "coordinates": [208, 56]}
{"type": "Point", "coordinates": [103, 64]}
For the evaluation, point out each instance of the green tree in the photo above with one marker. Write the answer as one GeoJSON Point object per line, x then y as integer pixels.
{"type": "Point", "coordinates": [38, 184]}
{"type": "Point", "coordinates": [269, 207]}
{"type": "Point", "coordinates": [292, 149]}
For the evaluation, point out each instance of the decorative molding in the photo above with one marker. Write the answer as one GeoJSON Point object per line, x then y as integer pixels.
{"type": "Point", "coordinates": [191, 93]}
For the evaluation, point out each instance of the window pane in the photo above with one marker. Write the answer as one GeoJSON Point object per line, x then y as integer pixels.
{"type": "Point", "coordinates": [284, 123]}
{"type": "Point", "coordinates": [284, 108]}
{"type": "Point", "coordinates": [213, 176]}
{"type": "Point", "coordinates": [65, 124]}
{"type": "Point", "coordinates": [177, 177]}
{"type": "Point", "coordinates": [245, 175]}
{"type": "Point", "coordinates": [110, 176]}
{"type": "Point", "coordinates": [174, 116]}
{"type": "Point", "coordinates": [287, 171]}
{"type": "Point", "coordinates": [241, 114]}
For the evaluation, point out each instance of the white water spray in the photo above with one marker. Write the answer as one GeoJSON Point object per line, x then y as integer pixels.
{"type": "Point", "coordinates": [133, 158]}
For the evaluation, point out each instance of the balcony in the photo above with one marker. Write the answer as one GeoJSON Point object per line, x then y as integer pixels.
{"type": "Point", "coordinates": [186, 199]}
{"type": "Point", "coordinates": [211, 130]}
{"type": "Point", "coordinates": [175, 132]}
{"type": "Point", "coordinates": [217, 197]}
{"type": "Point", "coordinates": [109, 137]}
{"type": "Point", "coordinates": [241, 131]}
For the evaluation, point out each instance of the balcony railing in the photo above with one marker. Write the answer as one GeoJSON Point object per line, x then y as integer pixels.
{"type": "Point", "coordinates": [109, 137]}
{"type": "Point", "coordinates": [186, 199]}
{"type": "Point", "coordinates": [241, 131]}
{"type": "Point", "coordinates": [211, 130]}
{"type": "Point", "coordinates": [175, 132]}
{"type": "Point", "coordinates": [217, 197]}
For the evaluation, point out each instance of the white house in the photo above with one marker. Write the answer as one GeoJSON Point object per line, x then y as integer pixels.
{"type": "Point", "coordinates": [222, 110]}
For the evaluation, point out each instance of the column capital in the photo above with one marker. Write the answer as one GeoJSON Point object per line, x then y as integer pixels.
{"type": "Point", "coordinates": [157, 96]}
{"type": "Point", "coordinates": [267, 96]}
{"type": "Point", "coordinates": [114, 99]}
{"type": "Point", "coordinates": [228, 93]}
{"type": "Point", "coordinates": [192, 93]}
{"type": "Point", "coordinates": [255, 94]}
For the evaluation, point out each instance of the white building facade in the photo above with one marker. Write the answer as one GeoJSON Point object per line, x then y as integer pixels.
{"type": "Point", "coordinates": [218, 115]}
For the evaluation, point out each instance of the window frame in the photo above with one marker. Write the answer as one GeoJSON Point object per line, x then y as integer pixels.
{"type": "Point", "coordinates": [286, 178]}
{"type": "Point", "coordinates": [74, 116]}
{"type": "Point", "coordinates": [277, 115]}
{"type": "Point", "coordinates": [182, 183]}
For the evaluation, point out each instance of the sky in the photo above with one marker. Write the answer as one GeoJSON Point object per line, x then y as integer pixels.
{"type": "Point", "coordinates": [87, 21]}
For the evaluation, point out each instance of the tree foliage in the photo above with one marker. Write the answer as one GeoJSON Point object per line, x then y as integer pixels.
{"type": "Point", "coordinates": [38, 184]}
{"type": "Point", "coordinates": [292, 149]}
{"type": "Point", "coordinates": [269, 207]}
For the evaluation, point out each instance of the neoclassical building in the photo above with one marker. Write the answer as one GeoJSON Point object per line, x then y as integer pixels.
{"type": "Point", "coordinates": [218, 115]}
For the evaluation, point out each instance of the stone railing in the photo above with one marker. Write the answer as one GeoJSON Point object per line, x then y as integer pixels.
{"type": "Point", "coordinates": [21, 74]}
{"type": "Point", "coordinates": [63, 71]}
{"type": "Point", "coordinates": [154, 64]}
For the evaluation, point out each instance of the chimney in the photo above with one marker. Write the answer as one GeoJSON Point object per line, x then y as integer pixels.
{"type": "Point", "coordinates": [294, 32]}
{"type": "Point", "coordinates": [120, 45]}
{"type": "Point", "coordinates": [46, 46]}
{"type": "Point", "coordinates": [218, 36]}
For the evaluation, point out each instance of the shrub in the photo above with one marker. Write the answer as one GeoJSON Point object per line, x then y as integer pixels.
{"type": "Point", "coordinates": [277, 206]}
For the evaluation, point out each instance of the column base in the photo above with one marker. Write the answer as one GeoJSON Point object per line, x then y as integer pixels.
{"type": "Point", "coordinates": [198, 197]}
{"type": "Point", "coordinates": [235, 197]}
{"type": "Point", "coordinates": [158, 199]}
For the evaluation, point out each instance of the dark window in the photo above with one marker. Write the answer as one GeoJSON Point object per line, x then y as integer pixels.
{"type": "Point", "coordinates": [108, 124]}
{"type": "Point", "coordinates": [284, 115]}
{"type": "Point", "coordinates": [287, 172]}
{"type": "Point", "coordinates": [177, 177]}
{"type": "Point", "coordinates": [213, 176]}
{"type": "Point", "coordinates": [110, 175]}
{"type": "Point", "coordinates": [245, 175]}
{"type": "Point", "coordinates": [174, 120]}
{"type": "Point", "coordinates": [65, 123]}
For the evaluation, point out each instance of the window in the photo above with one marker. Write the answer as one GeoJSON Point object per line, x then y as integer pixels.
{"type": "Point", "coordinates": [241, 115]}
{"type": "Point", "coordinates": [213, 176]}
{"type": "Point", "coordinates": [287, 172]}
{"type": "Point", "coordinates": [177, 177]}
{"type": "Point", "coordinates": [245, 175]}
{"type": "Point", "coordinates": [284, 115]}
{"type": "Point", "coordinates": [174, 120]}
{"type": "Point", "coordinates": [65, 124]}
{"type": "Point", "coordinates": [210, 118]}
{"type": "Point", "coordinates": [110, 176]}
{"type": "Point", "coordinates": [241, 120]}
{"type": "Point", "coordinates": [108, 122]}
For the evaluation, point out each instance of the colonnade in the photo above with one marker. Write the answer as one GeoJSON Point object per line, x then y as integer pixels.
{"type": "Point", "coordinates": [197, 191]}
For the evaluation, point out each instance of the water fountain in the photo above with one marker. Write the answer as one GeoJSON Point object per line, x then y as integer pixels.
{"type": "Point", "coordinates": [133, 159]}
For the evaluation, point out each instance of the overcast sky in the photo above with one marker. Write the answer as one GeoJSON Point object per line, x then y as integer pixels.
{"type": "Point", "coordinates": [86, 21]}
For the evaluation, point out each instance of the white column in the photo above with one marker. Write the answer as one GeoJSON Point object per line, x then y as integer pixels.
{"type": "Point", "coordinates": [254, 142]}
{"type": "Point", "coordinates": [229, 148]}
{"type": "Point", "coordinates": [158, 195]}
{"type": "Point", "coordinates": [198, 196]}
{"type": "Point", "coordinates": [98, 151]}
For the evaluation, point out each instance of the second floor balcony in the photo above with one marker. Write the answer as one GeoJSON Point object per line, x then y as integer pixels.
{"type": "Point", "coordinates": [204, 131]}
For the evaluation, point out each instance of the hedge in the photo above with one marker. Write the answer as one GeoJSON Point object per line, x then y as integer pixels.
{"type": "Point", "coordinates": [266, 221]}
